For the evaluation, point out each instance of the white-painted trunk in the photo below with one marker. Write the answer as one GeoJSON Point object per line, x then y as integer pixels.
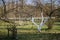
{"type": "Point", "coordinates": [35, 24]}
{"type": "Point", "coordinates": [42, 22]}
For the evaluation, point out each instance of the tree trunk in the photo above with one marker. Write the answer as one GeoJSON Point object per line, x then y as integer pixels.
{"type": "Point", "coordinates": [50, 23]}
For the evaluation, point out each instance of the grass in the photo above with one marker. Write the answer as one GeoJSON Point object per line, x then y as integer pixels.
{"type": "Point", "coordinates": [38, 36]}
{"type": "Point", "coordinates": [28, 31]}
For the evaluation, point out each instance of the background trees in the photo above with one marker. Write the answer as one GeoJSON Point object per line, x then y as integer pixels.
{"type": "Point", "coordinates": [20, 9]}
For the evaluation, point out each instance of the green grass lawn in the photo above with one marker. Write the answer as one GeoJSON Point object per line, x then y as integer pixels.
{"type": "Point", "coordinates": [28, 31]}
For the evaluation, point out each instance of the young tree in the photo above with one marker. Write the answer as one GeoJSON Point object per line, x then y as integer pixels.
{"type": "Point", "coordinates": [49, 11]}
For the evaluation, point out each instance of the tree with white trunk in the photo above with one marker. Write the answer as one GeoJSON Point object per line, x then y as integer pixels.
{"type": "Point", "coordinates": [41, 23]}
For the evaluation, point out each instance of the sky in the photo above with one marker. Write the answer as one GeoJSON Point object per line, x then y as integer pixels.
{"type": "Point", "coordinates": [30, 1]}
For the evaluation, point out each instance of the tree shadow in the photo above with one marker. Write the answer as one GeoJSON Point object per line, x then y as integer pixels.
{"type": "Point", "coordinates": [39, 36]}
